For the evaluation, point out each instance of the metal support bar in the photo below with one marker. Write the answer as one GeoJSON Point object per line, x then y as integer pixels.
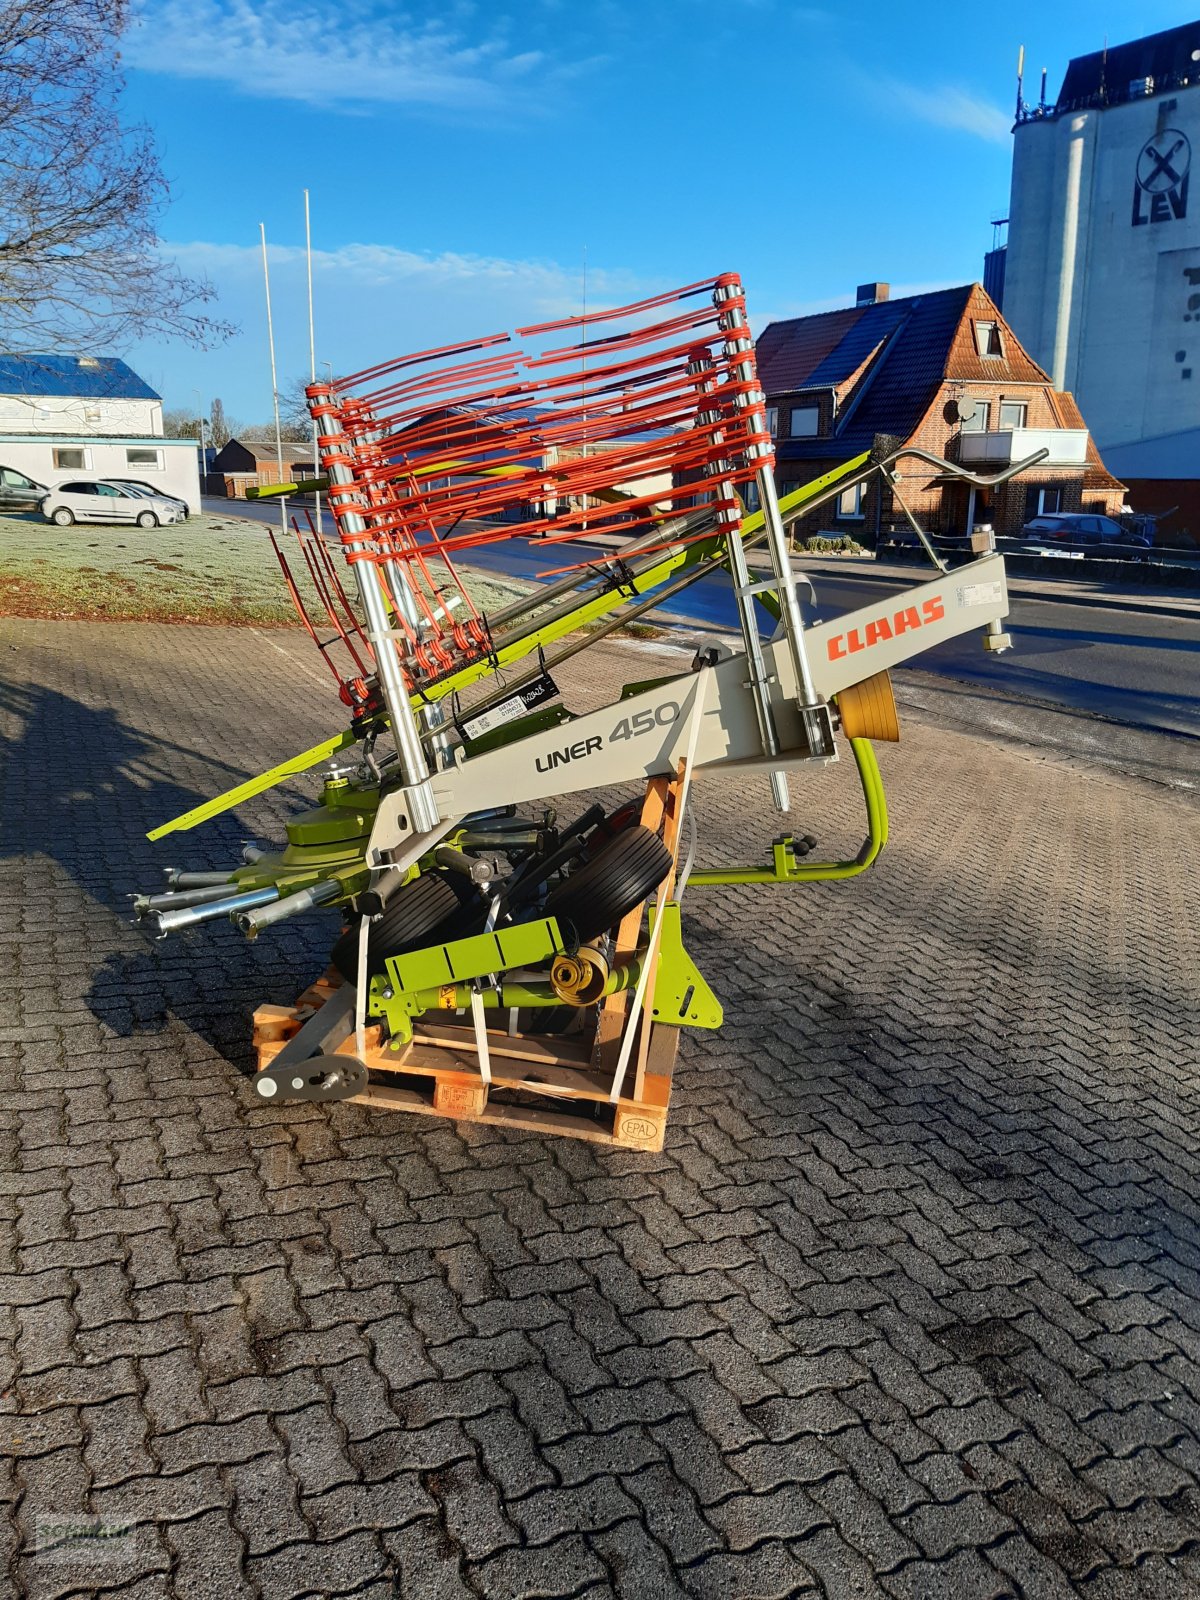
{"type": "Point", "coordinates": [418, 789]}
{"type": "Point", "coordinates": [739, 346]}
{"type": "Point", "coordinates": [730, 526]}
{"type": "Point", "coordinates": [254, 921]}
{"type": "Point", "coordinates": [328, 1027]}
{"type": "Point", "coordinates": [786, 869]}
{"type": "Point", "coordinates": [173, 921]}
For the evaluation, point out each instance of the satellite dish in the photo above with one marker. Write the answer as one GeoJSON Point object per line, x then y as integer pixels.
{"type": "Point", "coordinates": [964, 410]}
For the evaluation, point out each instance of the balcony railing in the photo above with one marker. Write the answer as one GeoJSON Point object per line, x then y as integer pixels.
{"type": "Point", "coordinates": [996, 447]}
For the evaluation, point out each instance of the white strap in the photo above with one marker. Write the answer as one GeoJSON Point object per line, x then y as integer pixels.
{"type": "Point", "coordinates": [360, 993]}
{"type": "Point", "coordinates": [479, 1018]}
{"type": "Point", "coordinates": [698, 698]}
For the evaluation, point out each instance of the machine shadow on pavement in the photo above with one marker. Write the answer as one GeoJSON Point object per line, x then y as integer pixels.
{"type": "Point", "coordinates": [90, 787]}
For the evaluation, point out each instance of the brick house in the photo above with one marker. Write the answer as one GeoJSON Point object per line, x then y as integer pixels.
{"type": "Point", "coordinates": [942, 371]}
{"type": "Point", "coordinates": [254, 463]}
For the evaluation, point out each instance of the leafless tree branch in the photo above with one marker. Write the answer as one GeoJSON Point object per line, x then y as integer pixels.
{"type": "Point", "coordinates": [81, 263]}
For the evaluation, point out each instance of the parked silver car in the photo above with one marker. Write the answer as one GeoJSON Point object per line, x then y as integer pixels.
{"type": "Point", "coordinates": [94, 500]}
{"type": "Point", "coordinates": [149, 492]}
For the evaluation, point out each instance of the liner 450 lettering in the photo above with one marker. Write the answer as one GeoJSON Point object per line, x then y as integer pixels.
{"type": "Point", "coordinates": [662, 716]}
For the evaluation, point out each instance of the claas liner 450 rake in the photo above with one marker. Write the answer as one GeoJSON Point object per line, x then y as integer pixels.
{"type": "Point", "coordinates": [494, 965]}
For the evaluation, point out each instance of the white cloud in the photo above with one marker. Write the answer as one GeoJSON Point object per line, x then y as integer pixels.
{"type": "Point", "coordinates": [373, 302]}
{"type": "Point", "coordinates": [357, 55]}
{"type": "Point", "coordinates": [951, 108]}
{"type": "Point", "coordinates": [546, 289]}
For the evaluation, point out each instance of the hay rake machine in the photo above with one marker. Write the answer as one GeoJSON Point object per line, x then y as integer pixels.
{"type": "Point", "coordinates": [493, 963]}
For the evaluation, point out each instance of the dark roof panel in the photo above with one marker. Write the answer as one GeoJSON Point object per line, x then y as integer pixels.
{"type": "Point", "coordinates": [791, 351]}
{"type": "Point", "coordinates": [894, 393]}
{"type": "Point", "coordinates": [90, 377]}
{"type": "Point", "coordinates": [1104, 76]}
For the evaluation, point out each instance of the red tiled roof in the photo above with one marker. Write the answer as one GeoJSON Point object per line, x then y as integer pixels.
{"type": "Point", "coordinates": [792, 351]}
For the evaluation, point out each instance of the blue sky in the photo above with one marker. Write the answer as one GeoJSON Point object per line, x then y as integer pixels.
{"type": "Point", "coordinates": [462, 159]}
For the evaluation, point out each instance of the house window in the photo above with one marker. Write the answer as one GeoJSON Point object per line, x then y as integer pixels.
{"type": "Point", "coordinates": [804, 422]}
{"type": "Point", "coordinates": [773, 421]}
{"type": "Point", "coordinates": [988, 341]}
{"type": "Point", "coordinates": [750, 496]}
{"type": "Point", "coordinates": [850, 504]}
{"type": "Point", "coordinates": [978, 420]}
{"type": "Point", "coordinates": [91, 413]}
{"type": "Point", "coordinates": [1042, 502]}
{"type": "Point", "coordinates": [72, 460]}
{"type": "Point", "coordinates": [144, 458]}
{"type": "Point", "coordinates": [1013, 413]}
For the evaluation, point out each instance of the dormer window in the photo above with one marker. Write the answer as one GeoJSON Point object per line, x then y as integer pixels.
{"type": "Point", "coordinates": [988, 339]}
{"type": "Point", "coordinates": [805, 422]}
{"type": "Point", "coordinates": [773, 421]}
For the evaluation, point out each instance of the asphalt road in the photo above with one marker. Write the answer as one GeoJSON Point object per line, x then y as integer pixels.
{"type": "Point", "coordinates": [1134, 667]}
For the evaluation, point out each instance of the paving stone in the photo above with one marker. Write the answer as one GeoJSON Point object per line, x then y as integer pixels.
{"type": "Point", "coordinates": [670, 1512]}
{"type": "Point", "coordinates": [208, 1555]}
{"type": "Point", "coordinates": [338, 1568]}
{"type": "Point", "coordinates": [745, 1520]}
{"type": "Point", "coordinates": [542, 1572]}
{"type": "Point", "coordinates": [551, 1513]}
{"type": "Point", "coordinates": [424, 1563]}
{"type": "Point", "coordinates": [909, 1304]}
{"type": "Point", "coordinates": [353, 1507]}
{"type": "Point", "coordinates": [639, 1568]}
{"type": "Point", "coordinates": [265, 1507]}
{"type": "Point", "coordinates": [769, 1572]}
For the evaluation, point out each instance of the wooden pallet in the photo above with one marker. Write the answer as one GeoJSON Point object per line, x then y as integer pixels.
{"type": "Point", "coordinates": [544, 1083]}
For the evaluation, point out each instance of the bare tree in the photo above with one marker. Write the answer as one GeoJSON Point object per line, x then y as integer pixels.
{"type": "Point", "coordinates": [179, 423]}
{"type": "Point", "coordinates": [289, 432]}
{"type": "Point", "coordinates": [81, 264]}
{"type": "Point", "coordinates": [293, 406]}
{"type": "Point", "coordinates": [220, 427]}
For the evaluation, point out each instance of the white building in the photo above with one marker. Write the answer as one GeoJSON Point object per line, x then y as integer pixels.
{"type": "Point", "coordinates": [68, 417]}
{"type": "Point", "coordinates": [1102, 279]}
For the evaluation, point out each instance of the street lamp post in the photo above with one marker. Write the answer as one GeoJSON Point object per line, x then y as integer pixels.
{"type": "Point", "coordinates": [203, 450]}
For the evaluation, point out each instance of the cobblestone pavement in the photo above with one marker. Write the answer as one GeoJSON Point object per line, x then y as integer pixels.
{"type": "Point", "coordinates": [909, 1306]}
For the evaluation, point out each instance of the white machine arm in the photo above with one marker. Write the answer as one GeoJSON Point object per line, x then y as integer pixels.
{"type": "Point", "coordinates": [645, 735]}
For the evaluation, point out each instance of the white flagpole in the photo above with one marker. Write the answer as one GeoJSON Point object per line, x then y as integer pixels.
{"type": "Point", "coordinates": [274, 376]}
{"type": "Point", "coordinates": [312, 341]}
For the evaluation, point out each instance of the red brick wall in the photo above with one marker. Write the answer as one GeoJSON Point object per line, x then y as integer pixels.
{"type": "Point", "coordinates": [940, 508]}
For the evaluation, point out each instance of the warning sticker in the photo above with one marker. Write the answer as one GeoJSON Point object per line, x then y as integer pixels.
{"type": "Point", "coordinates": [448, 997]}
{"type": "Point", "coordinates": [981, 594]}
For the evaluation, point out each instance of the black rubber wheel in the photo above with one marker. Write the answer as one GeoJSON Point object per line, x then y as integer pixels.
{"type": "Point", "coordinates": [599, 893]}
{"type": "Point", "coordinates": [415, 916]}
